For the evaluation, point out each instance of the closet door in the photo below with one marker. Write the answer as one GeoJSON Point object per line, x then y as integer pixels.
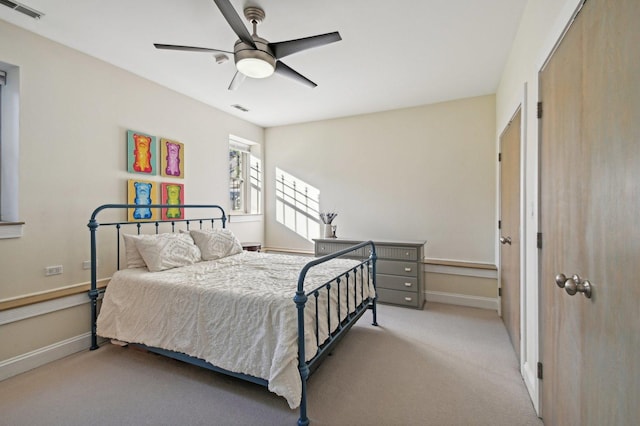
{"type": "Point", "coordinates": [590, 219]}
{"type": "Point", "coordinates": [510, 230]}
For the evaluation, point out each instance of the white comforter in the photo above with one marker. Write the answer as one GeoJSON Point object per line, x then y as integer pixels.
{"type": "Point", "coordinates": [236, 313]}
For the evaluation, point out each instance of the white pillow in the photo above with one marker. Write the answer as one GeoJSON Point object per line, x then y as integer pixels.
{"type": "Point", "coordinates": [216, 243]}
{"type": "Point", "coordinates": [166, 251]}
{"type": "Point", "coordinates": [132, 255]}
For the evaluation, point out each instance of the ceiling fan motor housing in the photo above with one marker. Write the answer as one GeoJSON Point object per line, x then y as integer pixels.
{"type": "Point", "coordinates": [254, 63]}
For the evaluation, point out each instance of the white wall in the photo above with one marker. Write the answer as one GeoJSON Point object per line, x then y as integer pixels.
{"type": "Point", "coordinates": [417, 173]}
{"type": "Point", "coordinates": [74, 114]}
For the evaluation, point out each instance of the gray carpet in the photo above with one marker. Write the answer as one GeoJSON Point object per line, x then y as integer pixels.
{"type": "Point", "coordinates": [444, 365]}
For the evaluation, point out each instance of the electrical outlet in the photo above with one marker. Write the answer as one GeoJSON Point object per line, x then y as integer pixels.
{"type": "Point", "coordinates": [86, 264]}
{"type": "Point", "coordinates": [53, 270]}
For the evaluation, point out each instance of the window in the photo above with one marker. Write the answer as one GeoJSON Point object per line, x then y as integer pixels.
{"type": "Point", "coordinates": [10, 226]}
{"type": "Point", "coordinates": [245, 177]}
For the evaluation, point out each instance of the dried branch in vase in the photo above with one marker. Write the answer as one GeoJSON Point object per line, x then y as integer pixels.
{"type": "Point", "coordinates": [328, 217]}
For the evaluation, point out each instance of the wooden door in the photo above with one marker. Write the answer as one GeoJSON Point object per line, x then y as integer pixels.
{"type": "Point", "coordinates": [590, 218]}
{"type": "Point", "coordinates": [510, 229]}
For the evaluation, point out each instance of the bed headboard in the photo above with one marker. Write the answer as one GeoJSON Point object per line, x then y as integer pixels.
{"type": "Point", "coordinates": [218, 215]}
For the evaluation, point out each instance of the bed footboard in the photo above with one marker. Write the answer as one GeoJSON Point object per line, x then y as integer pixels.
{"type": "Point", "coordinates": [367, 271]}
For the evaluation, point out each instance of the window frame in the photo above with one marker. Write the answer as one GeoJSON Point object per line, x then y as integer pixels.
{"type": "Point", "coordinates": [10, 224]}
{"type": "Point", "coordinates": [250, 181]}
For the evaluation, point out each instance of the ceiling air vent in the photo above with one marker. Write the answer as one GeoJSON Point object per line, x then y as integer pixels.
{"type": "Point", "coordinates": [22, 9]}
{"type": "Point", "coordinates": [236, 106]}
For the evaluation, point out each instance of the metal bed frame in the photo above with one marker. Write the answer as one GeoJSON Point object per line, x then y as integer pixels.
{"type": "Point", "coordinates": [366, 268]}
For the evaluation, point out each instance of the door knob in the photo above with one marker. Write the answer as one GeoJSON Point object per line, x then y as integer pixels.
{"type": "Point", "coordinates": [574, 284]}
{"type": "Point", "coordinates": [506, 240]}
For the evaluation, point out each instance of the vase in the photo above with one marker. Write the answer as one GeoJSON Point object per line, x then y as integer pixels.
{"type": "Point", "coordinates": [328, 230]}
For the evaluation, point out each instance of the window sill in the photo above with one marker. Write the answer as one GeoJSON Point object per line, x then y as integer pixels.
{"type": "Point", "coordinates": [11, 229]}
{"type": "Point", "coordinates": [238, 218]}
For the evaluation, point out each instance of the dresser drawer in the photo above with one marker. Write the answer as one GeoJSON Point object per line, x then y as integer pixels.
{"type": "Point", "coordinates": [324, 248]}
{"type": "Point", "coordinates": [395, 282]}
{"type": "Point", "coordinates": [397, 253]}
{"type": "Point", "coordinates": [397, 297]}
{"type": "Point", "coordinates": [390, 267]}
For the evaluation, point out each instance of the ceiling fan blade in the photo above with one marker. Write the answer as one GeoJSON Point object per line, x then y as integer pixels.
{"type": "Point", "coordinates": [285, 48]}
{"type": "Point", "coordinates": [188, 48]}
{"type": "Point", "coordinates": [285, 70]}
{"type": "Point", "coordinates": [235, 21]}
{"type": "Point", "coordinates": [237, 80]}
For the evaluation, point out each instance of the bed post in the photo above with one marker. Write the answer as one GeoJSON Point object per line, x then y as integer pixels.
{"type": "Point", "coordinates": [374, 258]}
{"type": "Point", "coordinates": [301, 299]}
{"type": "Point", "coordinates": [93, 292]}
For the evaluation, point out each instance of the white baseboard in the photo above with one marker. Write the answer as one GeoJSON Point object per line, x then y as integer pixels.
{"type": "Point", "coordinates": [38, 357]}
{"type": "Point", "coordinates": [462, 300]}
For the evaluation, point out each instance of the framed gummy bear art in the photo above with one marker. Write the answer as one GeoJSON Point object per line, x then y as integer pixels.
{"type": "Point", "coordinates": [172, 193]}
{"type": "Point", "coordinates": [171, 158]}
{"type": "Point", "coordinates": [142, 193]}
{"type": "Point", "coordinates": [141, 153]}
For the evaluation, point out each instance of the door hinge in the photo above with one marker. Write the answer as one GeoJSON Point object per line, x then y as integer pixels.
{"type": "Point", "coordinates": [540, 370]}
{"type": "Point", "coordinates": [539, 113]}
{"type": "Point", "coordinates": [499, 291]}
{"type": "Point", "coordinates": [539, 240]}
{"type": "Point", "coordinates": [499, 224]}
{"type": "Point", "coordinates": [499, 157]}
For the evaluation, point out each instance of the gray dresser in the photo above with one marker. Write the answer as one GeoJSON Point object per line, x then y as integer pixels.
{"type": "Point", "coordinates": [399, 275]}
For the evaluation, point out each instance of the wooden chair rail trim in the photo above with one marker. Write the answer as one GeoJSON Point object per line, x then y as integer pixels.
{"type": "Point", "coordinates": [459, 264]}
{"type": "Point", "coordinates": [284, 250]}
{"type": "Point", "coordinates": [31, 299]}
{"type": "Point", "coordinates": [438, 262]}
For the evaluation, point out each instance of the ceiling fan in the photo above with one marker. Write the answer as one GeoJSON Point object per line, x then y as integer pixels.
{"type": "Point", "coordinates": [254, 56]}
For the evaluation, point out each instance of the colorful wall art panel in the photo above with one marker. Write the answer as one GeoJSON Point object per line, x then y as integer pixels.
{"type": "Point", "coordinates": [171, 158]}
{"type": "Point", "coordinates": [173, 194]}
{"type": "Point", "coordinates": [142, 193]}
{"type": "Point", "coordinates": [141, 153]}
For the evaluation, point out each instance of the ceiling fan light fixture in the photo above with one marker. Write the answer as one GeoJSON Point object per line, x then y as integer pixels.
{"type": "Point", "coordinates": [255, 67]}
{"type": "Point", "coordinates": [254, 62]}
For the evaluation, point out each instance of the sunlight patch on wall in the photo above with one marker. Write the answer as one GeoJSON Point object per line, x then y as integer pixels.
{"type": "Point", "coordinates": [297, 205]}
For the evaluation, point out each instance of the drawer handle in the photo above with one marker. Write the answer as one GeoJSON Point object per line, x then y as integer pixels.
{"type": "Point", "coordinates": [407, 269]}
{"type": "Point", "coordinates": [408, 284]}
{"type": "Point", "coordinates": [406, 254]}
{"type": "Point", "coordinates": [408, 299]}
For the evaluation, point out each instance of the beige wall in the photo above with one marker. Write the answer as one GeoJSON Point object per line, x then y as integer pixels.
{"type": "Point", "coordinates": [460, 284]}
{"type": "Point", "coordinates": [30, 334]}
{"type": "Point", "coordinates": [74, 112]}
{"type": "Point", "coordinates": [418, 173]}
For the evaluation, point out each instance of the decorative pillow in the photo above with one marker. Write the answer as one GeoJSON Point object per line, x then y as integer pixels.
{"type": "Point", "coordinates": [216, 243]}
{"type": "Point", "coordinates": [132, 255]}
{"type": "Point", "coordinates": [166, 251]}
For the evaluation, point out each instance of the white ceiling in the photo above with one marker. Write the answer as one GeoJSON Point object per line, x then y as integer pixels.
{"type": "Point", "coordinates": [393, 53]}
